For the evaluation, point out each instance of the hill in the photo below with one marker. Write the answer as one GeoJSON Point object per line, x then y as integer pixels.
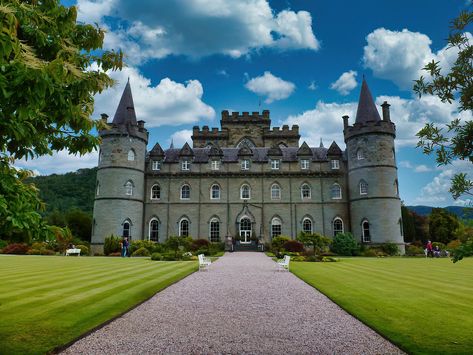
{"type": "Point", "coordinates": [461, 212]}
{"type": "Point", "coordinates": [64, 192]}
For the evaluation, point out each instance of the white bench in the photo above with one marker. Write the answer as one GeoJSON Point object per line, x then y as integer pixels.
{"type": "Point", "coordinates": [203, 262]}
{"type": "Point", "coordinates": [283, 264]}
{"type": "Point", "coordinates": [72, 251]}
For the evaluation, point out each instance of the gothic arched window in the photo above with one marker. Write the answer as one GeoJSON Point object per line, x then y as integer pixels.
{"type": "Point", "coordinates": [305, 191]}
{"type": "Point", "coordinates": [185, 192]}
{"type": "Point", "coordinates": [155, 192]}
{"type": "Point", "coordinates": [336, 192]}
{"type": "Point", "coordinates": [307, 225]}
{"type": "Point", "coordinates": [337, 226]}
{"type": "Point", "coordinates": [214, 230]}
{"type": "Point", "coordinates": [245, 192]}
{"type": "Point", "coordinates": [365, 230]}
{"type": "Point", "coordinates": [184, 227]}
{"type": "Point", "coordinates": [276, 226]}
{"type": "Point", "coordinates": [154, 230]}
{"type": "Point", "coordinates": [215, 192]}
{"type": "Point", "coordinates": [131, 155]}
{"type": "Point", "coordinates": [275, 192]}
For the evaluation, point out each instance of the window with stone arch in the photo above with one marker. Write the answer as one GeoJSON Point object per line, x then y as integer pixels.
{"type": "Point", "coordinates": [275, 192]}
{"type": "Point", "coordinates": [215, 192]}
{"type": "Point", "coordinates": [184, 227]}
{"type": "Point", "coordinates": [306, 192]}
{"type": "Point", "coordinates": [276, 227]}
{"type": "Point", "coordinates": [307, 225]}
{"type": "Point", "coordinates": [131, 155]}
{"type": "Point", "coordinates": [245, 192]}
{"type": "Point", "coordinates": [246, 142]}
{"type": "Point", "coordinates": [214, 230]}
{"type": "Point", "coordinates": [154, 230]}
{"type": "Point", "coordinates": [363, 187]}
{"type": "Point", "coordinates": [155, 192]}
{"type": "Point", "coordinates": [360, 155]}
{"type": "Point", "coordinates": [185, 192]}
{"type": "Point", "coordinates": [396, 187]}
{"type": "Point", "coordinates": [365, 231]}
{"type": "Point", "coordinates": [336, 192]}
{"type": "Point", "coordinates": [126, 228]}
{"type": "Point", "coordinates": [129, 188]}
{"type": "Point", "coordinates": [337, 226]}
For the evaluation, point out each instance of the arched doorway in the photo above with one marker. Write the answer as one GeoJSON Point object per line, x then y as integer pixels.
{"type": "Point", "coordinates": [245, 230]}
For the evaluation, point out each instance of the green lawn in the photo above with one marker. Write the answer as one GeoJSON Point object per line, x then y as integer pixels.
{"type": "Point", "coordinates": [425, 306]}
{"type": "Point", "coordinates": [48, 301]}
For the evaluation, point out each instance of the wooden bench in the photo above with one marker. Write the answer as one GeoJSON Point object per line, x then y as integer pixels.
{"type": "Point", "coordinates": [283, 264]}
{"type": "Point", "coordinates": [203, 262]}
{"type": "Point", "coordinates": [72, 251]}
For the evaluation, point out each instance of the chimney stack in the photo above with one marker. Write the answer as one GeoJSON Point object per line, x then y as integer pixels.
{"type": "Point", "coordinates": [386, 114]}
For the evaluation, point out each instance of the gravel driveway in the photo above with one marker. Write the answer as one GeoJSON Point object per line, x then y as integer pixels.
{"type": "Point", "coordinates": [241, 305]}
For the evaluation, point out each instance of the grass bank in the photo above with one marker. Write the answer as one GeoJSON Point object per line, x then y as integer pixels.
{"type": "Point", "coordinates": [425, 306]}
{"type": "Point", "coordinates": [46, 301]}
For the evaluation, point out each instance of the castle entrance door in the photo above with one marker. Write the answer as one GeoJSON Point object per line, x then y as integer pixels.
{"type": "Point", "coordinates": [245, 231]}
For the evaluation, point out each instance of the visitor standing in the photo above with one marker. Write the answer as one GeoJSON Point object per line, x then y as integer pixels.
{"type": "Point", "coordinates": [125, 245]}
{"type": "Point", "coordinates": [429, 249]}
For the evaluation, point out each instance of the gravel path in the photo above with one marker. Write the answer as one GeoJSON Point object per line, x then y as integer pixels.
{"type": "Point", "coordinates": [241, 305]}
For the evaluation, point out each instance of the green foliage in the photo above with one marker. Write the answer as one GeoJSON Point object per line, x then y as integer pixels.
{"type": "Point", "coordinates": [454, 244]}
{"type": "Point", "coordinates": [464, 250]}
{"type": "Point", "coordinates": [176, 243]}
{"type": "Point", "coordinates": [3, 243]}
{"type": "Point", "coordinates": [293, 246]}
{"type": "Point", "coordinates": [84, 250]}
{"type": "Point", "coordinates": [147, 244]}
{"type": "Point", "coordinates": [46, 93]}
{"type": "Point", "coordinates": [442, 225]}
{"type": "Point", "coordinates": [277, 244]}
{"type": "Point", "coordinates": [141, 252]}
{"type": "Point", "coordinates": [413, 250]}
{"type": "Point", "coordinates": [408, 224]}
{"type": "Point", "coordinates": [200, 244]}
{"type": "Point", "coordinates": [455, 85]}
{"type": "Point", "coordinates": [15, 248]}
{"type": "Point", "coordinates": [345, 244]}
{"type": "Point", "coordinates": [112, 245]}
{"type": "Point", "coordinates": [315, 240]}
{"type": "Point", "coordinates": [156, 256]}
{"type": "Point", "coordinates": [56, 218]}
{"type": "Point", "coordinates": [80, 224]}
{"type": "Point", "coordinates": [390, 248]}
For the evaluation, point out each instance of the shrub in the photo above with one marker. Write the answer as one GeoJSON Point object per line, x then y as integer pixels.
{"type": "Point", "coordinates": [141, 252]}
{"type": "Point", "coordinates": [112, 245]}
{"type": "Point", "coordinates": [413, 250]}
{"type": "Point", "coordinates": [115, 253]}
{"type": "Point", "coordinates": [199, 244]}
{"type": "Point", "coordinates": [390, 248]}
{"type": "Point", "coordinates": [138, 244]}
{"type": "Point", "coordinates": [370, 252]}
{"type": "Point", "coordinates": [465, 249]}
{"type": "Point", "coordinates": [318, 242]}
{"type": "Point", "coordinates": [454, 244]}
{"type": "Point", "coordinates": [440, 245]}
{"type": "Point", "coordinates": [293, 246]}
{"type": "Point", "coordinates": [298, 258]}
{"type": "Point", "coordinates": [311, 258]}
{"type": "Point", "coordinates": [328, 259]}
{"type": "Point", "coordinates": [344, 244]}
{"type": "Point", "coordinates": [34, 252]}
{"type": "Point", "coordinates": [16, 248]}
{"type": "Point", "coordinates": [176, 243]}
{"type": "Point", "coordinates": [98, 254]}
{"type": "Point", "coordinates": [156, 257]}
{"type": "Point", "coordinates": [3, 243]}
{"type": "Point", "coordinates": [277, 244]}
{"type": "Point", "coordinates": [47, 252]}
{"type": "Point", "coordinates": [83, 249]}
{"type": "Point", "coordinates": [158, 248]}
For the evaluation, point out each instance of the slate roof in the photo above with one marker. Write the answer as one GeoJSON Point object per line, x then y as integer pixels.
{"type": "Point", "coordinates": [125, 113]}
{"type": "Point", "coordinates": [366, 108]}
{"type": "Point", "coordinates": [201, 155]}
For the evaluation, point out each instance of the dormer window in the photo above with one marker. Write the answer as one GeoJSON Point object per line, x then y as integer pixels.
{"type": "Point", "coordinates": [245, 164]}
{"type": "Point", "coordinates": [185, 165]}
{"type": "Point", "coordinates": [305, 164]}
{"type": "Point", "coordinates": [275, 164]}
{"type": "Point", "coordinates": [131, 155]}
{"type": "Point", "coordinates": [215, 165]}
{"type": "Point", "coordinates": [360, 155]}
{"type": "Point", "coordinates": [335, 164]}
{"type": "Point", "coordinates": [156, 165]}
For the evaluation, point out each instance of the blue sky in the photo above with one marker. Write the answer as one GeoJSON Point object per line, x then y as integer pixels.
{"type": "Point", "coordinates": [303, 60]}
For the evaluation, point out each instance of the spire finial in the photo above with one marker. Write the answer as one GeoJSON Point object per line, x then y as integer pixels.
{"type": "Point", "coordinates": [172, 144]}
{"type": "Point", "coordinates": [321, 143]}
{"type": "Point", "coordinates": [129, 80]}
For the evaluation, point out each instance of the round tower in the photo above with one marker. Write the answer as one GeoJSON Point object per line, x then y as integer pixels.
{"type": "Point", "coordinates": [375, 205]}
{"type": "Point", "coordinates": [119, 195]}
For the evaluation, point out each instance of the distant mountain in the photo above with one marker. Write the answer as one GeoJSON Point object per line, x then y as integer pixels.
{"type": "Point", "coordinates": [64, 192]}
{"type": "Point", "coordinates": [461, 212]}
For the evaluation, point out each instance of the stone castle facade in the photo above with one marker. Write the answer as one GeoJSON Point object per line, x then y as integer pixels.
{"type": "Point", "coordinates": [248, 180]}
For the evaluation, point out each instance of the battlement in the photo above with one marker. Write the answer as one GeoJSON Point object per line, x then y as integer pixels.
{"type": "Point", "coordinates": [244, 116]}
{"type": "Point", "coordinates": [282, 132]}
{"type": "Point", "coordinates": [383, 127]}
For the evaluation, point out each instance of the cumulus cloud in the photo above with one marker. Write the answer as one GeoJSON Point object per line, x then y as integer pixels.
{"type": "Point", "coordinates": [59, 163]}
{"type": "Point", "coordinates": [399, 56]}
{"type": "Point", "coordinates": [197, 28]}
{"type": "Point", "coordinates": [179, 138]}
{"type": "Point", "coordinates": [345, 83]}
{"type": "Point", "coordinates": [436, 192]}
{"type": "Point", "coordinates": [270, 86]}
{"type": "Point", "coordinates": [168, 103]}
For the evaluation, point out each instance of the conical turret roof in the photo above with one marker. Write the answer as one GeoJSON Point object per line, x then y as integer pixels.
{"type": "Point", "coordinates": [366, 108]}
{"type": "Point", "coordinates": [125, 113]}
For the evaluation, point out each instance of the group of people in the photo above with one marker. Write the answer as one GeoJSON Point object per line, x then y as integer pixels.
{"type": "Point", "coordinates": [433, 251]}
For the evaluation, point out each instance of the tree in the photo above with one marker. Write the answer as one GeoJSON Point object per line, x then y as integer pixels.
{"type": "Point", "coordinates": [421, 224]}
{"type": "Point", "coordinates": [442, 225]}
{"type": "Point", "coordinates": [80, 224]}
{"type": "Point", "coordinates": [408, 224]}
{"type": "Point", "coordinates": [175, 243]}
{"type": "Point", "coordinates": [345, 244]}
{"type": "Point", "coordinates": [277, 244]}
{"type": "Point", "coordinates": [315, 240]}
{"type": "Point", "coordinates": [457, 84]}
{"type": "Point", "coordinates": [46, 97]}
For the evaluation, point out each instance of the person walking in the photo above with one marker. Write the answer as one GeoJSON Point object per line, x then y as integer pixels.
{"type": "Point", "coordinates": [125, 243]}
{"type": "Point", "coordinates": [429, 248]}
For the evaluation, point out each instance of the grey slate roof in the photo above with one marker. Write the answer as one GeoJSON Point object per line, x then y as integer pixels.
{"type": "Point", "coordinates": [125, 113]}
{"type": "Point", "coordinates": [201, 155]}
{"type": "Point", "coordinates": [366, 108]}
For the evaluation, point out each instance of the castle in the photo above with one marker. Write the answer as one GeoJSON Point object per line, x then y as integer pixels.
{"type": "Point", "coordinates": [248, 181]}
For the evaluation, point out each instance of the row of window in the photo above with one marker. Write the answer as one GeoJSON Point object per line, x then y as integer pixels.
{"type": "Point", "coordinates": [244, 164]}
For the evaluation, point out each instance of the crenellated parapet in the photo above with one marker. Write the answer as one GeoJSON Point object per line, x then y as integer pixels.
{"type": "Point", "coordinates": [205, 136]}
{"type": "Point", "coordinates": [285, 136]}
{"type": "Point", "coordinates": [253, 117]}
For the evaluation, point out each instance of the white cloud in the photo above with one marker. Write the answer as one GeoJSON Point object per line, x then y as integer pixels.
{"type": "Point", "coordinates": [345, 83]}
{"type": "Point", "coordinates": [399, 56]}
{"type": "Point", "coordinates": [312, 86]}
{"type": "Point", "coordinates": [223, 72]}
{"type": "Point", "coordinates": [405, 164]}
{"type": "Point", "coordinates": [168, 103]}
{"type": "Point", "coordinates": [436, 192]}
{"type": "Point", "coordinates": [273, 87]}
{"type": "Point", "coordinates": [179, 138]}
{"type": "Point", "coordinates": [197, 28]}
{"type": "Point", "coordinates": [59, 163]}
{"type": "Point", "coordinates": [422, 169]}
{"type": "Point", "coordinates": [417, 168]}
